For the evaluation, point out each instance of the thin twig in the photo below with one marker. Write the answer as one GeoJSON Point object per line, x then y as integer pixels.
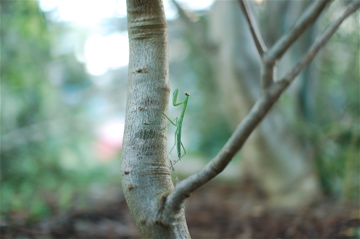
{"type": "Point", "coordinates": [258, 40]}
{"type": "Point", "coordinates": [320, 42]}
{"type": "Point", "coordinates": [305, 20]}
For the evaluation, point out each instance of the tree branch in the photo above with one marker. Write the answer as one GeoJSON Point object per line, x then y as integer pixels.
{"type": "Point", "coordinates": [183, 189]}
{"type": "Point", "coordinates": [305, 20]}
{"type": "Point", "coordinates": [258, 40]}
{"type": "Point", "coordinates": [320, 42]}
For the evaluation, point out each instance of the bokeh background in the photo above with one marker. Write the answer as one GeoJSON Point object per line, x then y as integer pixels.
{"type": "Point", "coordinates": [64, 86]}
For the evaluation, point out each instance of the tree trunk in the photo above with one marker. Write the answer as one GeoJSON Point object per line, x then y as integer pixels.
{"type": "Point", "coordinates": [146, 178]}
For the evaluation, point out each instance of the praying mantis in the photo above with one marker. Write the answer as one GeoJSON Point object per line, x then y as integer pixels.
{"type": "Point", "coordinates": [178, 123]}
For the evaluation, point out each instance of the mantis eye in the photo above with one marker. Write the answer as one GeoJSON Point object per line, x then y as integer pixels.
{"type": "Point", "coordinates": [187, 94]}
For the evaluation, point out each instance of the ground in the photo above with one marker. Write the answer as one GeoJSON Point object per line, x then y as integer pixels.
{"type": "Point", "coordinates": [218, 210]}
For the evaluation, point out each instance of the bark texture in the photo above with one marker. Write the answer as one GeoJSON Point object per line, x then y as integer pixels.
{"type": "Point", "coordinates": [146, 178]}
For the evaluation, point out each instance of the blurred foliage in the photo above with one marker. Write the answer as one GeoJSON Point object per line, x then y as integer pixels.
{"type": "Point", "coordinates": [337, 132]}
{"type": "Point", "coordinates": [44, 142]}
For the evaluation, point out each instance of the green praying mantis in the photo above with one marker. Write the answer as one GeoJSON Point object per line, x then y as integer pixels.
{"type": "Point", "coordinates": [178, 123]}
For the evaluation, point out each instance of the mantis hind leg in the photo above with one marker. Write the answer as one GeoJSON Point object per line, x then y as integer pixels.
{"type": "Point", "coordinates": [182, 154]}
{"type": "Point", "coordinates": [183, 149]}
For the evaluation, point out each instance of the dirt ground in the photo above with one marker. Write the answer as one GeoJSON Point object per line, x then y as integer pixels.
{"type": "Point", "coordinates": [215, 211]}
